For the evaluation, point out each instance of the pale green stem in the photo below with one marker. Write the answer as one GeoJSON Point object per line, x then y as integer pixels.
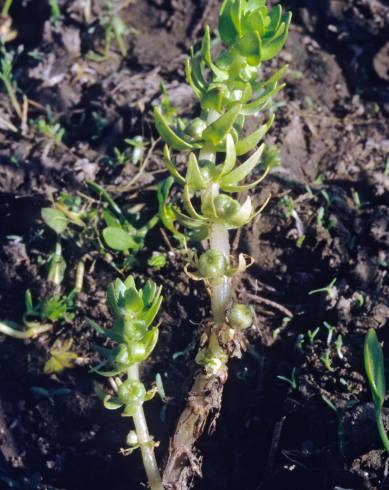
{"type": "Point", "coordinates": [6, 7]}
{"type": "Point", "coordinates": [13, 330]}
{"type": "Point", "coordinates": [218, 240]}
{"type": "Point", "coordinates": [221, 294]}
{"type": "Point", "coordinates": [145, 442]}
{"type": "Point", "coordinates": [381, 428]}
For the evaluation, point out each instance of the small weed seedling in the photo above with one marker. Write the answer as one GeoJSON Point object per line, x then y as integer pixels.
{"type": "Point", "coordinates": [375, 373]}
{"type": "Point", "coordinates": [7, 62]}
{"type": "Point", "coordinates": [330, 290]}
{"type": "Point", "coordinates": [292, 381]}
{"type": "Point", "coordinates": [134, 311]}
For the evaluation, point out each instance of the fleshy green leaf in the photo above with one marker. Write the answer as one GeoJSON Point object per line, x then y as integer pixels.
{"type": "Point", "coordinates": [230, 161]}
{"type": "Point", "coordinates": [119, 239]}
{"type": "Point", "coordinates": [149, 292]}
{"type": "Point", "coordinates": [259, 103]}
{"type": "Point", "coordinates": [110, 219]}
{"type": "Point", "coordinates": [194, 179]}
{"type": "Point", "coordinates": [374, 366]}
{"type": "Point", "coordinates": [227, 29]}
{"type": "Point", "coordinates": [243, 170]}
{"type": "Point", "coordinates": [133, 300]}
{"type": "Point", "coordinates": [273, 47]}
{"type": "Point", "coordinates": [217, 131]}
{"type": "Point", "coordinates": [112, 403]}
{"type": "Point", "coordinates": [55, 219]}
{"type": "Point", "coordinates": [168, 135]}
{"type": "Point", "coordinates": [250, 46]}
{"type": "Point", "coordinates": [171, 167]}
{"type": "Point", "coordinates": [149, 316]}
{"type": "Point", "coordinates": [251, 141]}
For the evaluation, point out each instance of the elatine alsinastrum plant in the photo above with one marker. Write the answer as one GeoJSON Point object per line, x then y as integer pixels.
{"type": "Point", "coordinates": [230, 88]}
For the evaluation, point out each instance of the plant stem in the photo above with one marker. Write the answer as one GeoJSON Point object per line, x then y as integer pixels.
{"type": "Point", "coordinates": [80, 272]}
{"type": "Point", "coordinates": [6, 7]}
{"type": "Point", "coordinates": [13, 330]}
{"type": "Point", "coordinates": [144, 440]}
{"type": "Point", "coordinates": [220, 294]}
{"type": "Point", "coordinates": [381, 428]}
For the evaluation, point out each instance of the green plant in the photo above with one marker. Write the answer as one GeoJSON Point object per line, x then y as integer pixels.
{"type": "Point", "coordinates": [229, 90]}
{"type": "Point", "coordinates": [134, 311]}
{"type": "Point", "coordinates": [114, 30]}
{"type": "Point", "coordinates": [330, 290]}
{"type": "Point", "coordinates": [60, 357]}
{"type": "Point", "coordinates": [292, 381]}
{"type": "Point", "coordinates": [55, 12]}
{"type": "Point", "coordinates": [375, 373]}
{"type": "Point", "coordinates": [6, 7]}
{"type": "Point", "coordinates": [7, 62]}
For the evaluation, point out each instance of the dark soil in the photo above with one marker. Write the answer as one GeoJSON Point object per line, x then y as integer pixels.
{"type": "Point", "coordinates": [332, 129]}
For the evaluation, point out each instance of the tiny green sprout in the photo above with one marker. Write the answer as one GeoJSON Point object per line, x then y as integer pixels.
{"type": "Point", "coordinates": [312, 334]}
{"type": "Point", "coordinates": [138, 144]}
{"type": "Point", "coordinates": [340, 412]}
{"type": "Point", "coordinates": [61, 357]}
{"type": "Point", "coordinates": [240, 316]}
{"type": "Point", "coordinates": [51, 129]}
{"type": "Point", "coordinates": [339, 346]}
{"type": "Point", "coordinates": [292, 381]}
{"type": "Point", "coordinates": [55, 12]}
{"type": "Point", "coordinates": [326, 359]}
{"type": "Point", "coordinates": [134, 311]}
{"type": "Point", "coordinates": [157, 261]}
{"type": "Point", "coordinates": [290, 210]}
{"type": "Point", "coordinates": [330, 333]}
{"type": "Point", "coordinates": [330, 290]}
{"type": "Point", "coordinates": [375, 373]}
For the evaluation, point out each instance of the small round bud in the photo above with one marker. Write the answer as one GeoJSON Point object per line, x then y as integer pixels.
{"type": "Point", "coordinates": [121, 357]}
{"type": "Point", "coordinates": [132, 438]}
{"type": "Point", "coordinates": [212, 264]}
{"type": "Point", "coordinates": [196, 128]}
{"type": "Point", "coordinates": [240, 317]}
{"type": "Point", "coordinates": [226, 206]}
{"type": "Point", "coordinates": [131, 392]}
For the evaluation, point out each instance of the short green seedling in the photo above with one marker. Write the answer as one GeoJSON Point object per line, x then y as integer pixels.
{"type": "Point", "coordinates": [375, 373]}
{"type": "Point", "coordinates": [134, 311]}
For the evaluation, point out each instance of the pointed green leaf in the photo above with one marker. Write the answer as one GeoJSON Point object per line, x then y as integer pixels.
{"type": "Point", "coordinates": [276, 76]}
{"type": "Point", "coordinates": [189, 206]}
{"type": "Point", "coordinates": [230, 161]}
{"type": "Point", "coordinates": [217, 131]}
{"type": "Point", "coordinates": [110, 219]}
{"type": "Point", "coordinates": [274, 16]}
{"type": "Point", "coordinates": [187, 221]}
{"type": "Point", "coordinates": [250, 46]}
{"type": "Point", "coordinates": [246, 187]}
{"type": "Point", "coordinates": [227, 29]}
{"type": "Point", "coordinates": [171, 167]}
{"type": "Point", "coordinates": [374, 366]}
{"type": "Point", "coordinates": [254, 21]}
{"type": "Point", "coordinates": [194, 179]}
{"type": "Point", "coordinates": [274, 46]}
{"type": "Point", "coordinates": [112, 403]}
{"type": "Point", "coordinates": [243, 170]}
{"type": "Point", "coordinates": [251, 141]}
{"type": "Point", "coordinates": [150, 341]}
{"type": "Point", "coordinates": [168, 135]}
{"type": "Point", "coordinates": [149, 292]}
{"type": "Point", "coordinates": [149, 316]}
{"type": "Point", "coordinates": [259, 103]}
{"type": "Point", "coordinates": [192, 82]}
